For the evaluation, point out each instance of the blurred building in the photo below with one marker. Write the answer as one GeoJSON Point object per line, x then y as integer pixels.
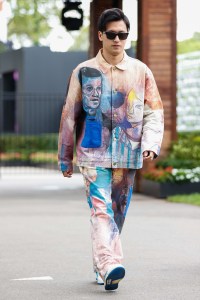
{"type": "Point", "coordinates": [188, 91]}
{"type": "Point", "coordinates": [33, 84]}
{"type": "Point", "coordinates": [32, 88]}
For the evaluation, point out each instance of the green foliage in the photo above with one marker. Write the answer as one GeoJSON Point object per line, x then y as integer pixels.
{"type": "Point", "coordinates": [30, 19]}
{"type": "Point", "coordinates": [81, 42]}
{"type": "Point", "coordinates": [159, 175]}
{"type": "Point", "coordinates": [184, 153]}
{"type": "Point", "coordinates": [3, 47]}
{"type": "Point", "coordinates": [189, 45]}
{"type": "Point", "coordinates": [177, 163]}
{"type": "Point", "coordinates": [133, 44]}
{"type": "Point", "coordinates": [188, 199]}
{"type": "Point", "coordinates": [174, 175]}
{"type": "Point", "coordinates": [28, 144]}
{"type": "Point", "coordinates": [182, 163]}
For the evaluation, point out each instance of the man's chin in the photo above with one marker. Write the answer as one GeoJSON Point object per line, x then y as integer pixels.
{"type": "Point", "coordinates": [94, 105]}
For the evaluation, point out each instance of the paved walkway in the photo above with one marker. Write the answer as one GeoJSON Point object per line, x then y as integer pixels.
{"type": "Point", "coordinates": [45, 249]}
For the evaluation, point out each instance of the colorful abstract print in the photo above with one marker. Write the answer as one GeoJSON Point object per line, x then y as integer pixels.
{"type": "Point", "coordinates": [109, 192]}
{"type": "Point", "coordinates": [116, 113]}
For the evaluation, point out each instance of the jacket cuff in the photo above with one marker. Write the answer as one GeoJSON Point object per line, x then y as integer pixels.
{"type": "Point", "coordinates": [154, 148]}
{"type": "Point", "coordinates": [65, 167]}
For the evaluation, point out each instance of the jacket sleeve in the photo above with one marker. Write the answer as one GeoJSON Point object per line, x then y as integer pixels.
{"type": "Point", "coordinates": [70, 113]}
{"type": "Point", "coordinates": [153, 119]}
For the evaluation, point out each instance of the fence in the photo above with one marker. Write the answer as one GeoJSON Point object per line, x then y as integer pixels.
{"type": "Point", "coordinates": [29, 125]}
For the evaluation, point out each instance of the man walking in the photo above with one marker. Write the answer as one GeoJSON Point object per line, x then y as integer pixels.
{"type": "Point", "coordinates": [114, 114]}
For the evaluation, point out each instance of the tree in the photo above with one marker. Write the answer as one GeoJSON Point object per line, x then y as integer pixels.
{"type": "Point", "coordinates": [189, 45]}
{"type": "Point", "coordinates": [31, 19]}
{"type": "Point", "coordinates": [81, 42]}
{"type": "Point", "coordinates": [2, 47]}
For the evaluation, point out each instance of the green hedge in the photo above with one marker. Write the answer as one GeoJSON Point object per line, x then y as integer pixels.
{"type": "Point", "coordinates": [184, 153]}
{"type": "Point", "coordinates": [32, 143]}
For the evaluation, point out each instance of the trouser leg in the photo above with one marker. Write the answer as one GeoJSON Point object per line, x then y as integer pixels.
{"type": "Point", "coordinates": [108, 193]}
{"type": "Point", "coordinates": [122, 189]}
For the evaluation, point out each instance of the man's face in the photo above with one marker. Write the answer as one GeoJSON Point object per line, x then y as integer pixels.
{"type": "Point", "coordinates": [116, 46]}
{"type": "Point", "coordinates": [91, 92]}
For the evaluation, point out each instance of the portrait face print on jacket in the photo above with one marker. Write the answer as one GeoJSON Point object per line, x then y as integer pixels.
{"type": "Point", "coordinates": [91, 82]}
{"type": "Point", "coordinates": [91, 89]}
{"type": "Point", "coordinates": [134, 107]}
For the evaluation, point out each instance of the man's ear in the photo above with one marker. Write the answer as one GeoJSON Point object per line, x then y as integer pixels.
{"type": "Point", "coordinates": [100, 35]}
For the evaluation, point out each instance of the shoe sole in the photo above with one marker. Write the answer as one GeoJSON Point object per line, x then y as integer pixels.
{"type": "Point", "coordinates": [114, 278]}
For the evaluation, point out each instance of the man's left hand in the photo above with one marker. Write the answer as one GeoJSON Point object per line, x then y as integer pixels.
{"type": "Point", "coordinates": [148, 155]}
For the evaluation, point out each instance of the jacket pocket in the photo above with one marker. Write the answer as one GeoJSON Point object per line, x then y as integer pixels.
{"type": "Point", "coordinates": [93, 131]}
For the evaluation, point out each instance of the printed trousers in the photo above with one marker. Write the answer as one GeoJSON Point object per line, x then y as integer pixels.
{"type": "Point", "coordinates": [109, 192]}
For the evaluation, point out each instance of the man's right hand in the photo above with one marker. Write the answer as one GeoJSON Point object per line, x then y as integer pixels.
{"type": "Point", "coordinates": [67, 173]}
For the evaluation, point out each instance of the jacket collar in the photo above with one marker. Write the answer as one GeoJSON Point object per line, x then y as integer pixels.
{"type": "Point", "coordinates": [105, 66]}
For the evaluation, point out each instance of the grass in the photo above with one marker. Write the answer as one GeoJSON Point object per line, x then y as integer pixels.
{"type": "Point", "coordinates": [193, 199]}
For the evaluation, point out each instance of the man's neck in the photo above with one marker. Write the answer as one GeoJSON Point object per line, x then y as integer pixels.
{"type": "Point", "coordinates": [111, 59]}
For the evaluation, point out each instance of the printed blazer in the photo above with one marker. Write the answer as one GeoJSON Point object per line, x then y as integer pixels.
{"type": "Point", "coordinates": [112, 114]}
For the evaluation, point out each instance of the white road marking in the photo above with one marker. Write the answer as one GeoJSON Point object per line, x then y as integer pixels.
{"type": "Point", "coordinates": [35, 278]}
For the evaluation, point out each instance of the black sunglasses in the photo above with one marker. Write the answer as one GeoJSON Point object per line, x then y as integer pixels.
{"type": "Point", "coordinates": [112, 35]}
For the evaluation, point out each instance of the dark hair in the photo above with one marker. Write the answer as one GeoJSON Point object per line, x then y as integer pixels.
{"type": "Point", "coordinates": [110, 15]}
{"type": "Point", "coordinates": [88, 72]}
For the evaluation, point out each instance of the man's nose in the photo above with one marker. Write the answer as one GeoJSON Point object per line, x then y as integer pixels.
{"type": "Point", "coordinates": [116, 38]}
{"type": "Point", "coordinates": [95, 92]}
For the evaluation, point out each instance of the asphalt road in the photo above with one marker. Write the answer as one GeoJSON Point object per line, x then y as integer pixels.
{"type": "Point", "coordinates": [45, 248]}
